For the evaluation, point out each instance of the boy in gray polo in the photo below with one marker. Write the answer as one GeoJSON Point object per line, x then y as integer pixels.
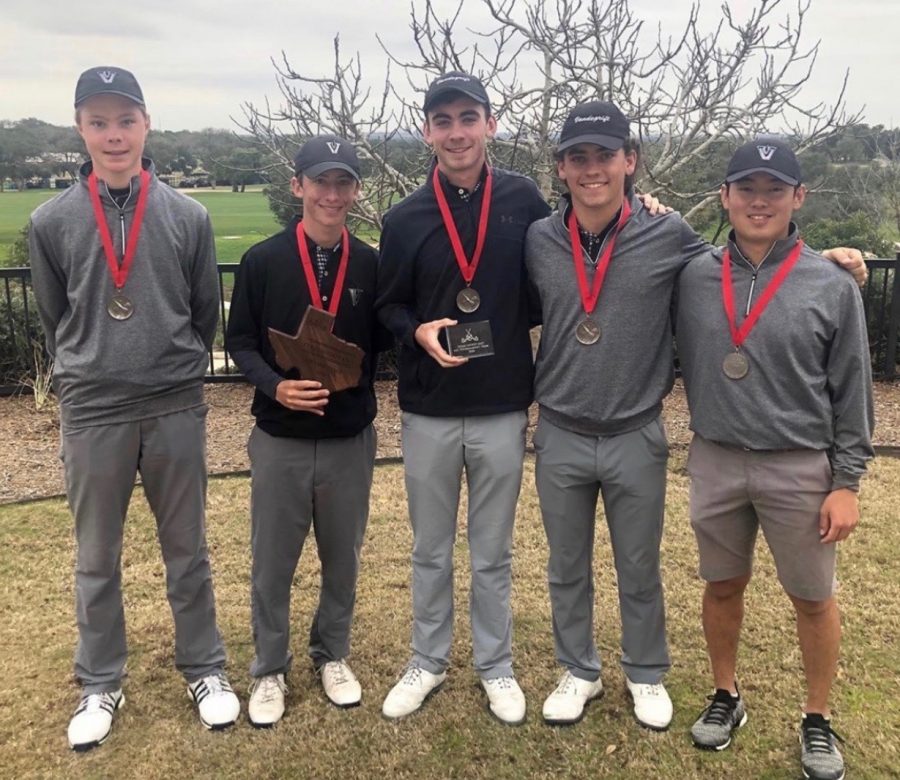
{"type": "Point", "coordinates": [776, 365]}
{"type": "Point", "coordinates": [124, 275]}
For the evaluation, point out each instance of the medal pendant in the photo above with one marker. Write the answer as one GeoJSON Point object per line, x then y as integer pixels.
{"type": "Point", "coordinates": [735, 365]}
{"type": "Point", "coordinates": [587, 332]}
{"type": "Point", "coordinates": [120, 307]}
{"type": "Point", "coordinates": [468, 300]}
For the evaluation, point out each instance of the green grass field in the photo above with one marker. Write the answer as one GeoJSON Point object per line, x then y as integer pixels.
{"type": "Point", "coordinates": [157, 734]}
{"type": "Point", "coordinates": [239, 219]}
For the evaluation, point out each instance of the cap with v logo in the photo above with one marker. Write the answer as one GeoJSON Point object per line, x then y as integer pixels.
{"type": "Point", "coordinates": [106, 80]}
{"type": "Point", "coordinates": [765, 154]}
{"type": "Point", "coordinates": [324, 153]}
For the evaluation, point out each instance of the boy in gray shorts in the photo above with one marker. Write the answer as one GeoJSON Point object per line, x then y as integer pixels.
{"type": "Point", "coordinates": [776, 365]}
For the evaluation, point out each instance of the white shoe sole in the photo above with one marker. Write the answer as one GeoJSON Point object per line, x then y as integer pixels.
{"type": "Point", "coordinates": [343, 706]}
{"type": "Point", "coordinates": [83, 747]}
{"type": "Point", "coordinates": [262, 725]}
{"type": "Point", "coordinates": [573, 721]}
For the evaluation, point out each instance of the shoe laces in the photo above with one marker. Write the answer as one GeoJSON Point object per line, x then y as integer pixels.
{"type": "Point", "coordinates": [503, 683]}
{"type": "Point", "coordinates": [216, 684]}
{"type": "Point", "coordinates": [412, 676]}
{"type": "Point", "coordinates": [268, 688]}
{"type": "Point", "coordinates": [338, 671]}
{"type": "Point", "coordinates": [719, 712]}
{"type": "Point", "coordinates": [94, 702]}
{"type": "Point", "coordinates": [566, 683]}
{"type": "Point", "coordinates": [648, 689]}
{"type": "Point", "coordinates": [818, 736]}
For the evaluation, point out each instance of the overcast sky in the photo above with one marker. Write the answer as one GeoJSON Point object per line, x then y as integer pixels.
{"type": "Point", "coordinates": [198, 61]}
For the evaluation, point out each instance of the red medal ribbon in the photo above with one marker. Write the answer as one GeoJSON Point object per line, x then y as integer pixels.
{"type": "Point", "coordinates": [467, 268]}
{"type": "Point", "coordinates": [119, 272]}
{"type": "Point", "coordinates": [306, 261]}
{"type": "Point", "coordinates": [739, 335]}
{"type": "Point", "coordinates": [589, 299]}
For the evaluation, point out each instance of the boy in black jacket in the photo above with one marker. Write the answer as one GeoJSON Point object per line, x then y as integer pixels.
{"type": "Point", "coordinates": [312, 452]}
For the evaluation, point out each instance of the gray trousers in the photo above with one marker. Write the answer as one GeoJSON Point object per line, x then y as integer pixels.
{"type": "Point", "coordinates": [296, 484]}
{"type": "Point", "coordinates": [435, 452]}
{"type": "Point", "coordinates": [630, 472]}
{"type": "Point", "coordinates": [101, 463]}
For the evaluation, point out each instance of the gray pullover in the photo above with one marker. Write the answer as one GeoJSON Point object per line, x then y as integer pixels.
{"type": "Point", "coordinates": [109, 371]}
{"type": "Point", "coordinates": [810, 379]}
{"type": "Point", "coordinates": [616, 385]}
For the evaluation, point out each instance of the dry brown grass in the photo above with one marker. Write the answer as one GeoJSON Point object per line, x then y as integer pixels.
{"type": "Point", "coordinates": [158, 736]}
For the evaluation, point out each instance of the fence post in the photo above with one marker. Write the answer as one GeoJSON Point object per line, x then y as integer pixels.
{"type": "Point", "coordinates": [890, 357]}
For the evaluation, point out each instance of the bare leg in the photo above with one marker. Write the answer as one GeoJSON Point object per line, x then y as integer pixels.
{"type": "Point", "coordinates": [819, 630]}
{"type": "Point", "coordinates": [723, 613]}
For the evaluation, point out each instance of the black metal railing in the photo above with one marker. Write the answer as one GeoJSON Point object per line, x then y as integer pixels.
{"type": "Point", "coordinates": [22, 345]}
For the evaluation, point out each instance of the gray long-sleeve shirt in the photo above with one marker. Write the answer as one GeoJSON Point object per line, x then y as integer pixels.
{"type": "Point", "coordinates": [616, 385]}
{"type": "Point", "coordinates": [810, 382]}
{"type": "Point", "coordinates": [109, 371]}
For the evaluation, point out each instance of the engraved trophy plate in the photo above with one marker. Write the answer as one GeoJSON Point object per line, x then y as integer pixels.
{"type": "Point", "coordinates": [470, 339]}
{"type": "Point", "coordinates": [468, 300]}
{"type": "Point", "coordinates": [587, 332]}
{"type": "Point", "coordinates": [119, 307]}
{"type": "Point", "coordinates": [735, 365]}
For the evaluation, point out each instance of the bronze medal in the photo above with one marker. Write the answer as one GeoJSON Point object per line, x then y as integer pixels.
{"type": "Point", "coordinates": [119, 307]}
{"type": "Point", "coordinates": [468, 300]}
{"type": "Point", "coordinates": [587, 332]}
{"type": "Point", "coordinates": [735, 365]}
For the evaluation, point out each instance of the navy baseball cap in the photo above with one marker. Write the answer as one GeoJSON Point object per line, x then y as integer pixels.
{"type": "Point", "coordinates": [598, 122]}
{"type": "Point", "coordinates": [324, 153]}
{"type": "Point", "coordinates": [765, 154]}
{"type": "Point", "coordinates": [455, 81]}
{"type": "Point", "coordinates": [105, 80]}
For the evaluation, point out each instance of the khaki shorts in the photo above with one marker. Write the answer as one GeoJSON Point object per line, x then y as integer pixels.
{"type": "Point", "coordinates": [736, 491]}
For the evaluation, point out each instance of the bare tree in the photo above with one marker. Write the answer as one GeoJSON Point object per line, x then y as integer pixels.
{"type": "Point", "coordinates": [689, 93]}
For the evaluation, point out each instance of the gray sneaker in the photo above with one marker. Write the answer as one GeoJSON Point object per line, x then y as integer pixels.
{"type": "Point", "coordinates": [717, 722]}
{"type": "Point", "coordinates": [819, 757]}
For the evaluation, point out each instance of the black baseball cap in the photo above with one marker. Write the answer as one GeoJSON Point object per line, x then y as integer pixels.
{"type": "Point", "coordinates": [598, 122]}
{"type": "Point", "coordinates": [325, 153]}
{"type": "Point", "coordinates": [765, 154]}
{"type": "Point", "coordinates": [106, 80]}
{"type": "Point", "coordinates": [455, 81]}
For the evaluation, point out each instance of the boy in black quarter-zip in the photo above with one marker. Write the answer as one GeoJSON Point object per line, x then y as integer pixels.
{"type": "Point", "coordinates": [776, 367]}
{"type": "Point", "coordinates": [312, 452]}
{"type": "Point", "coordinates": [124, 272]}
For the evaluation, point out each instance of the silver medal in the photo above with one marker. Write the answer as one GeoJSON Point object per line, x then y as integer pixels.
{"type": "Point", "coordinates": [468, 300]}
{"type": "Point", "coordinates": [735, 365]}
{"type": "Point", "coordinates": [587, 332]}
{"type": "Point", "coordinates": [119, 307]}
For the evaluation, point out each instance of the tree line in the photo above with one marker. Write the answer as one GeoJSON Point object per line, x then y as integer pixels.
{"type": "Point", "coordinates": [694, 91]}
{"type": "Point", "coordinates": [36, 153]}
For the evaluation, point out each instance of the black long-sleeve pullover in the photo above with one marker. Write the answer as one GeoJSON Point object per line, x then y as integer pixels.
{"type": "Point", "coordinates": [270, 292]}
{"type": "Point", "coordinates": [418, 280]}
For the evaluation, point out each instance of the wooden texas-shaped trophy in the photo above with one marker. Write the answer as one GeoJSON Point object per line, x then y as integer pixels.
{"type": "Point", "coordinates": [317, 353]}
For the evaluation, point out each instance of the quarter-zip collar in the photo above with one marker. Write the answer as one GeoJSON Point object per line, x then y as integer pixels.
{"type": "Point", "coordinates": [85, 171]}
{"type": "Point", "coordinates": [561, 224]}
{"type": "Point", "coordinates": [776, 254]}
